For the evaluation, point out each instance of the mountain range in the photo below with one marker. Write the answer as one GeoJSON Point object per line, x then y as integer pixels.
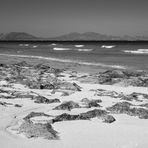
{"type": "Point", "coordinates": [87, 36]}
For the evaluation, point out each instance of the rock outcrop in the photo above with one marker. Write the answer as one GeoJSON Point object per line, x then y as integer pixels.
{"type": "Point", "coordinates": [35, 130]}
{"type": "Point", "coordinates": [35, 114]}
{"type": "Point", "coordinates": [101, 114]}
{"type": "Point", "coordinates": [91, 103]}
{"type": "Point", "coordinates": [127, 108]}
{"type": "Point", "coordinates": [41, 99]}
{"type": "Point", "coordinates": [67, 105]}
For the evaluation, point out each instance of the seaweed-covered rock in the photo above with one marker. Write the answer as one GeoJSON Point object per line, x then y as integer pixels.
{"type": "Point", "coordinates": [69, 86]}
{"type": "Point", "coordinates": [47, 86]}
{"type": "Point", "coordinates": [121, 107]}
{"type": "Point", "coordinates": [35, 130]}
{"type": "Point", "coordinates": [77, 87]}
{"type": "Point", "coordinates": [35, 114]}
{"type": "Point", "coordinates": [67, 105]}
{"type": "Point", "coordinates": [41, 99]}
{"type": "Point", "coordinates": [144, 105]}
{"type": "Point", "coordinates": [102, 114]}
{"type": "Point", "coordinates": [5, 103]}
{"type": "Point", "coordinates": [21, 64]}
{"type": "Point", "coordinates": [108, 119]}
{"type": "Point", "coordinates": [93, 103]}
{"type": "Point", "coordinates": [94, 113]}
{"type": "Point", "coordinates": [42, 66]}
{"type": "Point", "coordinates": [125, 108]}
{"type": "Point", "coordinates": [18, 105]}
{"type": "Point", "coordinates": [85, 100]}
{"type": "Point", "coordinates": [65, 117]}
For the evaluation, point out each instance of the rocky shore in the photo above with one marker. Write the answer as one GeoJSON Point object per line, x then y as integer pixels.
{"type": "Point", "coordinates": [39, 97]}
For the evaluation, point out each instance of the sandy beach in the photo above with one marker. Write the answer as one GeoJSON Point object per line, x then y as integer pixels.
{"type": "Point", "coordinates": [64, 105]}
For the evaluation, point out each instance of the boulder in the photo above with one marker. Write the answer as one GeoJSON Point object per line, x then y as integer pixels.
{"type": "Point", "coordinates": [67, 105]}
{"type": "Point", "coordinates": [121, 107]}
{"type": "Point", "coordinates": [93, 103]}
{"type": "Point", "coordinates": [85, 116]}
{"type": "Point", "coordinates": [35, 114]}
{"type": "Point", "coordinates": [41, 99]}
{"type": "Point", "coordinates": [125, 108]}
{"type": "Point", "coordinates": [77, 87]}
{"type": "Point", "coordinates": [35, 130]}
{"type": "Point", "coordinates": [108, 119]}
{"type": "Point", "coordinates": [94, 113]}
{"type": "Point", "coordinates": [18, 105]}
{"type": "Point", "coordinates": [65, 117]}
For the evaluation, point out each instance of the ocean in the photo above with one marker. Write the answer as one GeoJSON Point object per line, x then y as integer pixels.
{"type": "Point", "coordinates": [113, 54]}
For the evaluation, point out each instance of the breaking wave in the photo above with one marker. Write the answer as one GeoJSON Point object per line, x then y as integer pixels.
{"type": "Point", "coordinates": [138, 51]}
{"type": "Point", "coordinates": [60, 49]}
{"type": "Point", "coordinates": [67, 61]}
{"type": "Point", "coordinates": [79, 46]}
{"type": "Point", "coordinates": [84, 49]}
{"type": "Point", "coordinates": [106, 46]}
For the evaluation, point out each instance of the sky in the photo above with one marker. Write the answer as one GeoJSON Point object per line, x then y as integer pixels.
{"type": "Point", "coordinates": [48, 18]}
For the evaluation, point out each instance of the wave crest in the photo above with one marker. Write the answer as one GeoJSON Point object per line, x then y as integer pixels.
{"type": "Point", "coordinates": [138, 51]}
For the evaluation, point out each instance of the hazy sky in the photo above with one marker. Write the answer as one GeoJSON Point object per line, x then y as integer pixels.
{"type": "Point", "coordinates": [57, 17]}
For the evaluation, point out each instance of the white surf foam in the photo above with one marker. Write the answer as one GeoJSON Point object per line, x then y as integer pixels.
{"type": "Point", "coordinates": [67, 61]}
{"type": "Point", "coordinates": [138, 51]}
{"type": "Point", "coordinates": [35, 46]}
{"type": "Point", "coordinates": [106, 46]}
{"type": "Point", "coordinates": [56, 48]}
{"type": "Point", "coordinates": [53, 44]}
{"type": "Point", "coordinates": [79, 46]}
{"type": "Point", "coordinates": [26, 45]}
{"type": "Point", "coordinates": [84, 49]}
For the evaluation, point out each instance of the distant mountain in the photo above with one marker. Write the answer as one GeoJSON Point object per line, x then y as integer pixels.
{"type": "Point", "coordinates": [87, 36]}
{"type": "Point", "coordinates": [17, 36]}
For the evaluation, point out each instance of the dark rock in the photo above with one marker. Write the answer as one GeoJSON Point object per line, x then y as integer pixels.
{"type": "Point", "coordinates": [65, 117]}
{"type": "Point", "coordinates": [115, 73]}
{"type": "Point", "coordinates": [77, 87]}
{"type": "Point", "coordinates": [125, 108]}
{"type": "Point", "coordinates": [91, 103]}
{"type": "Point", "coordinates": [5, 103]}
{"type": "Point", "coordinates": [108, 119]}
{"type": "Point", "coordinates": [108, 93]}
{"type": "Point", "coordinates": [21, 64]}
{"type": "Point", "coordinates": [67, 106]}
{"type": "Point", "coordinates": [85, 100]}
{"type": "Point", "coordinates": [41, 99]}
{"type": "Point", "coordinates": [42, 66]}
{"type": "Point", "coordinates": [35, 114]}
{"type": "Point", "coordinates": [4, 65]}
{"type": "Point", "coordinates": [94, 113]}
{"type": "Point", "coordinates": [144, 105]}
{"type": "Point", "coordinates": [65, 94]}
{"type": "Point", "coordinates": [35, 130]}
{"type": "Point", "coordinates": [17, 105]}
{"type": "Point", "coordinates": [47, 86]}
{"type": "Point", "coordinates": [121, 107]}
{"type": "Point", "coordinates": [102, 114]}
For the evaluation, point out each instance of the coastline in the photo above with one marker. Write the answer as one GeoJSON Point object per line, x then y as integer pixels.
{"type": "Point", "coordinates": [19, 99]}
{"type": "Point", "coordinates": [57, 63]}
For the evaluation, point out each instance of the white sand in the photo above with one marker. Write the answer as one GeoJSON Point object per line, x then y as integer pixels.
{"type": "Point", "coordinates": [125, 132]}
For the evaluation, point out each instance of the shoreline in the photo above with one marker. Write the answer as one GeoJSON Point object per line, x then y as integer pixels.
{"type": "Point", "coordinates": [79, 65]}
{"type": "Point", "coordinates": [27, 110]}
